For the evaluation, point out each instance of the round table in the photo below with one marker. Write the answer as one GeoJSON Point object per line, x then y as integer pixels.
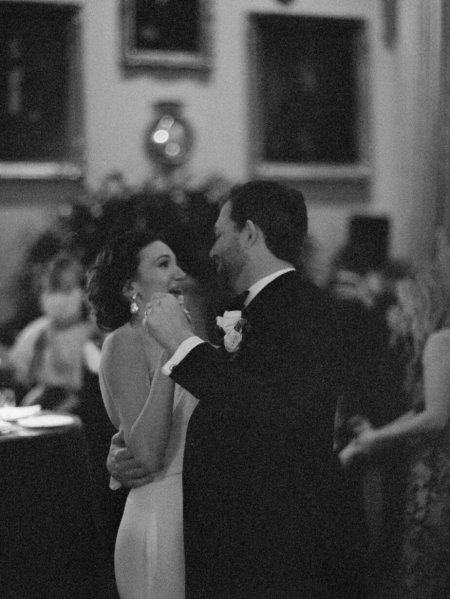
{"type": "Point", "coordinates": [50, 546]}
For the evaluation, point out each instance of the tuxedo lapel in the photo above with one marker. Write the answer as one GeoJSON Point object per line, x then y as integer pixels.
{"type": "Point", "coordinates": [265, 316]}
{"type": "Point", "coordinates": [238, 303]}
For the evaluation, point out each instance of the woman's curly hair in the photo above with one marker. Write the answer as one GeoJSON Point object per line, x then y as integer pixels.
{"type": "Point", "coordinates": [115, 266]}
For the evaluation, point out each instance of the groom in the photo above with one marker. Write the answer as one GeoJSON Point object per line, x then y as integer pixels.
{"type": "Point", "coordinates": [264, 505]}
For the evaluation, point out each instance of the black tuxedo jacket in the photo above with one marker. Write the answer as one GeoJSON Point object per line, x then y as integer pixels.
{"type": "Point", "coordinates": [263, 499]}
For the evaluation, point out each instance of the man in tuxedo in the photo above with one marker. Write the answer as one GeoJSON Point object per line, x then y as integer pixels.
{"type": "Point", "coordinates": [265, 509]}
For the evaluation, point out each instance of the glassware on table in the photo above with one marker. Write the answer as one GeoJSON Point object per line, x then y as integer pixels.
{"type": "Point", "coordinates": [7, 397]}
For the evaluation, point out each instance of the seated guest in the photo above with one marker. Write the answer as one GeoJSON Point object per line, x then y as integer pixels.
{"type": "Point", "coordinates": [27, 285]}
{"type": "Point", "coordinates": [49, 354]}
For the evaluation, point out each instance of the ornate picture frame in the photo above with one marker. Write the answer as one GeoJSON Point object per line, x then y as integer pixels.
{"type": "Point", "coordinates": [40, 100]}
{"type": "Point", "coordinates": [167, 34]}
{"type": "Point", "coordinates": [309, 81]}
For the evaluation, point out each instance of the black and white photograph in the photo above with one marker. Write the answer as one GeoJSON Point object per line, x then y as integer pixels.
{"type": "Point", "coordinates": [224, 299]}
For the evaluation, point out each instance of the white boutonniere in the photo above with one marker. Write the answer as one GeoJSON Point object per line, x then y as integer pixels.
{"type": "Point", "coordinates": [233, 326]}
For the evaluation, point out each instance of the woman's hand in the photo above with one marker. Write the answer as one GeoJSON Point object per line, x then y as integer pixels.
{"type": "Point", "coordinates": [359, 424]}
{"type": "Point", "coordinates": [366, 441]}
{"type": "Point", "coordinates": [363, 444]}
{"type": "Point", "coordinates": [348, 454]}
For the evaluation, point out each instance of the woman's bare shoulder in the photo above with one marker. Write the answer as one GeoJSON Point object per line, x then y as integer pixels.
{"type": "Point", "coordinates": [124, 339]}
{"type": "Point", "coordinates": [438, 345]}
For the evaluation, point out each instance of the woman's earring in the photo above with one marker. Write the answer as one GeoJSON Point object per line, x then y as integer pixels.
{"type": "Point", "coordinates": [134, 308]}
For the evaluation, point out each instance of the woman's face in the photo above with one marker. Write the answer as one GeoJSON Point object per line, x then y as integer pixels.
{"type": "Point", "coordinates": [157, 272]}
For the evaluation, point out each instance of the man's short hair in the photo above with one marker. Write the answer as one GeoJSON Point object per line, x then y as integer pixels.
{"type": "Point", "coordinates": [279, 211]}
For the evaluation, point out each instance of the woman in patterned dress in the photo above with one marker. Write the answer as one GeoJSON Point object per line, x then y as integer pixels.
{"type": "Point", "coordinates": [425, 560]}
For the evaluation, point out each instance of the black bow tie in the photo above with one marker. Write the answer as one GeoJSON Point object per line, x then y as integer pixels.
{"type": "Point", "coordinates": [238, 303]}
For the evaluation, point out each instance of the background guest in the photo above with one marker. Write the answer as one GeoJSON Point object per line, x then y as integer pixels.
{"type": "Point", "coordinates": [425, 552]}
{"type": "Point", "coordinates": [48, 356]}
{"type": "Point", "coordinates": [28, 283]}
{"type": "Point", "coordinates": [361, 286]}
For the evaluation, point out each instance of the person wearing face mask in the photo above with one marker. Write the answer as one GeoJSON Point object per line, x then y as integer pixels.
{"type": "Point", "coordinates": [150, 412]}
{"type": "Point", "coordinates": [49, 355]}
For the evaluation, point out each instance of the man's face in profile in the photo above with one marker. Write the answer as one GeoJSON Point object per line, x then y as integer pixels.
{"type": "Point", "coordinates": [227, 250]}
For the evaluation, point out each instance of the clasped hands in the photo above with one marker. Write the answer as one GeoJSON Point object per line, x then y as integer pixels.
{"type": "Point", "coordinates": [167, 321]}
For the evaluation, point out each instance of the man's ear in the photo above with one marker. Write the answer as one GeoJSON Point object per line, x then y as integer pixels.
{"type": "Point", "coordinates": [253, 233]}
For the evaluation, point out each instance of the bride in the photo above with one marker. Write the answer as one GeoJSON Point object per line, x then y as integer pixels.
{"type": "Point", "coordinates": [148, 409]}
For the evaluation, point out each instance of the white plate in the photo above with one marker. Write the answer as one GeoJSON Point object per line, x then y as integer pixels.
{"type": "Point", "coordinates": [14, 413]}
{"type": "Point", "coordinates": [46, 421]}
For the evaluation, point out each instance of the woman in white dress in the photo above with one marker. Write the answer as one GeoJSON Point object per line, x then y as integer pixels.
{"type": "Point", "coordinates": [147, 408]}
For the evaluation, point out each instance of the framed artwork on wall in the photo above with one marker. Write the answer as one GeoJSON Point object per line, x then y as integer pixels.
{"type": "Point", "coordinates": [172, 34]}
{"type": "Point", "coordinates": [310, 87]}
{"type": "Point", "coordinates": [41, 116]}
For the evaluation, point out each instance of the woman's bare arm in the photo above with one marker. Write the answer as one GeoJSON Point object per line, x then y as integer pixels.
{"type": "Point", "coordinates": [144, 407]}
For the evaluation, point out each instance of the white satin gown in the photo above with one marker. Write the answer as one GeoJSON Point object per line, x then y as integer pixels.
{"type": "Point", "coordinates": [149, 555]}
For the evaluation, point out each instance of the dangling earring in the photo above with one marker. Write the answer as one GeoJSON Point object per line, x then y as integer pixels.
{"type": "Point", "coordinates": [134, 308]}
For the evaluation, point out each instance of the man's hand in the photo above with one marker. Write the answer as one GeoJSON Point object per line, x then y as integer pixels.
{"type": "Point", "coordinates": [123, 467]}
{"type": "Point", "coordinates": [166, 321]}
